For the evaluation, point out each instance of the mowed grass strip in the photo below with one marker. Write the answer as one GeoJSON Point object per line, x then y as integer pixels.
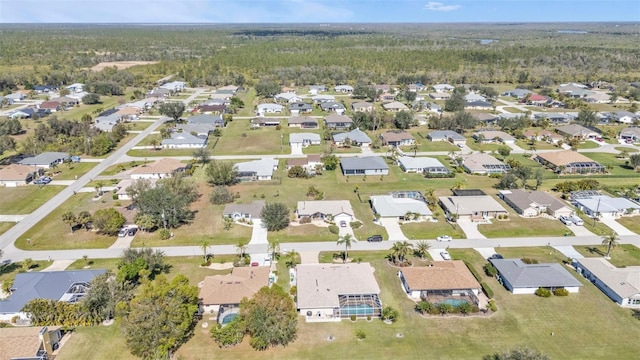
{"type": "Point", "coordinates": [621, 256]}
{"type": "Point", "coordinates": [25, 199]}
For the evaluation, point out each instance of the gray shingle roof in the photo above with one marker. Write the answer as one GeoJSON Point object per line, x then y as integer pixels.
{"type": "Point", "coordinates": [355, 135]}
{"type": "Point", "coordinates": [521, 275]}
{"type": "Point", "coordinates": [45, 158]}
{"type": "Point", "coordinates": [363, 163]}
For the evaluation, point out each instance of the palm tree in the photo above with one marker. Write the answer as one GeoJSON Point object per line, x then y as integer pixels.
{"type": "Point", "coordinates": [422, 248]}
{"type": "Point", "coordinates": [415, 147]}
{"type": "Point", "coordinates": [205, 246]}
{"type": "Point", "coordinates": [292, 259]}
{"type": "Point", "coordinates": [346, 240]}
{"type": "Point", "coordinates": [610, 241]}
{"type": "Point", "coordinates": [242, 247]}
{"type": "Point", "coordinates": [273, 247]}
{"type": "Point", "coordinates": [70, 219]}
{"type": "Point", "coordinates": [400, 250]}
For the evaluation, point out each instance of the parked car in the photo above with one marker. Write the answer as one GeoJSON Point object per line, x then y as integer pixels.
{"type": "Point", "coordinates": [374, 238]}
{"type": "Point", "coordinates": [75, 159]}
{"type": "Point", "coordinates": [43, 180]}
{"type": "Point", "coordinates": [343, 223]}
{"type": "Point", "coordinates": [5, 262]}
{"type": "Point", "coordinates": [123, 232]}
{"type": "Point", "coordinates": [444, 238]}
{"type": "Point", "coordinates": [132, 231]}
{"type": "Point", "coordinates": [445, 255]}
{"type": "Point", "coordinates": [496, 256]}
{"type": "Point", "coordinates": [577, 220]}
{"type": "Point", "coordinates": [566, 220]}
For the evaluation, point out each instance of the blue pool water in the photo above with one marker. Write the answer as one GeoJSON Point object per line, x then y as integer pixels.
{"type": "Point", "coordinates": [455, 302]}
{"type": "Point", "coordinates": [228, 318]}
{"type": "Point", "coordinates": [359, 310]}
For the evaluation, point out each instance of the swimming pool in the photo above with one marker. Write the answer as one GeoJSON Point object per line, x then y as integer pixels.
{"type": "Point", "coordinates": [454, 302]}
{"type": "Point", "coordinates": [228, 318]}
{"type": "Point", "coordinates": [358, 310]}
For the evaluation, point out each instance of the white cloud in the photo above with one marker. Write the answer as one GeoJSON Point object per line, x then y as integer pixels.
{"type": "Point", "coordinates": [438, 6]}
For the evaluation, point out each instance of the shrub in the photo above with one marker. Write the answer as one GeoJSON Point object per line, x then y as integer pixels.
{"type": "Point", "coordinates": [221, 195]}
{"type": "Point", "coordinates": [490, 270]}
{"type": "Point", "coordinates": [355, 224]}
{"type": "Point", "coordinates": [360, 334]}
{"type": "Point", "coordinates": [6, 285]}
{"type": "Point", "coordinates": [491, 305]}
{"type": "Point", "coordinates": [305, 220]}
{"type": "Point", "coordinates": [114, 196]}
{"type": "Point", "coordinates": [561, 292]}
{"type": "Point", "coordinates": [389, 314]}
{"type": "Point", "coordinates": [293, 290]}
{"type": "Point", "coordinates": [334, 229]}
{"type": "Point", "coordinates": [165, 234]}
{"type": "Point", "coordinates": [529, 261]}
{"type": "Point", "coordinates": [352, 317]}
{"type": "Point", "coordinates": [473, 270]}
{"type": "Point", "coordinates": [543, 292]}
{"type": "Point", "coordinates": [487, 290]}
{"type": "Point", "coordinates": [368, 317]}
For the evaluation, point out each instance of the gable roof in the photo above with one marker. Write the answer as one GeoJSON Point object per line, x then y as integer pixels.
{"type": "Point", "coordinates": [395, 105]}
{"type": "Point", "coordinates": [394, 136]}
{"type": "Point", "coordinates": [524, 199]}
{"type": "Point", "coordinates": [330, 105]}
{"type": "Point", "coordinates": [45, 158]}
{"type": "Point", "coordinates": [52, 285]}
{"type": "Point", "coordinates": [49, 105]}
{"type": "Point", "coordinates": [389, 206]}
{"type": "Point", "coordinates": [467, 205]}
{"type": "Point", "coordinates": [243, 282]}
{"type": "Point", "coordinates": [302, 120]}
{"type": "Point", "coordinates": [355, 135]}
{"type": "Point", "coordinates": [361, 105]}
{"type": "Point", "coordinates": [410, 162]}
{"type": "Point", "coordinates": [327, 207]}
{"type": "Point", "coordinates": [521, 275]}
{"type": "Point", "coordinates": [16, 172]}
{"type": "Point", "coordinates": [261, 167]}
{"type": "Point", "coordinates": [440, 275]}
{"type": "Point", "coordinates": [160, 166]}
{"type": "Point", "coordinates": [336, 118]}
{"type": "Point", "coordinates": [623, 281]}
{"type": "Point", "coordinates": [566, 157]}
{"type": "Point", "coordinates": [363, 163]}
{"type": "Point", "coordinates": [302, 137]}
{"type": "Point", "coordinates": [320, 285]}
{"type": "Point", "coordinates": [253, 208]}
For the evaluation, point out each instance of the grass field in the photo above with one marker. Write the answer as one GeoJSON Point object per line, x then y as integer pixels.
{"type": "Point", "coordinates": [4, 226]}
{"type": "Point", "coordinates": [540, 145]}
{"type": "Point", "coordinates": [621, 256]}
{"type": "Point", "coordinates": [585, 325]}
{"type": "Point", "coordinates": [630, 223]}
{"type": "Point", "coordinates": [431, 230]}
{"type": "Point", "coordinates": [614, 165]}
{"type": "Point", "coordinates": [517, 226]}
{"type": "Point", "coordinates": [483, 147]}
{"type": "Point", "coordinates": [588, 145]}
{"type": "Point", "coordinates": [70, 171]}
{"type": "Point", "coordinates": [25, 199]}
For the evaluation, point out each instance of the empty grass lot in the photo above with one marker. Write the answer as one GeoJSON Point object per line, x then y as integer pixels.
{"type": "Point", "coordinates": [25, 199]}
{"type": "Point", "coordinates": [70, 171]}
{"type": "Point", "coordinates": [517, 226]}
{"type": "Point", "coordinates": [540, 145]}
{"type": "Point", "coordinates": [430, 230]}
{"type": "Point", "coordinates": [585, 325]}
{"type": "Point", "coordinates": [621, 256]}
{"type": "Point", "coordinates": [483, 147]}
{"type": "Point", "coordinates": [4, 226]}
{"type": "Point", "coordinates": [238, 139]}
{"type": "Point", "coordinates": [632, 223]}
{"type": "Point", "coordinates": [614, 165]}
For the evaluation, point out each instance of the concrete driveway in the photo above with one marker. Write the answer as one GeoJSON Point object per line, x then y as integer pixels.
{"type": "Point", "coordinates": [393, 229]}
{"type": "Point", "coordinates": [435, 254]}
{"type": "Point", "coordinates": [470, 229]}
{"type": "Point", "coordinates": [569, 251]}
{"type": "Point", "coordinates": [258, 233]}
{"type": "Point", "coordinates": [616, 226]}
{"type": "Point", "coordinates": [486, 252]}
{"type": "Point", "coordinates": [342, 231]}
{"type": "Point", "coordinates": [580, 230]}
{"type": "Point", "coordinates": [296, 149]}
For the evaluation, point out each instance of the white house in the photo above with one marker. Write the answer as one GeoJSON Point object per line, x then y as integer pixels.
{"type": "Point", "coordinates": [330, 210]}
{"type": "Point", "coordinates": [343, 89]}
{"type": "Point", "coordinates": [304, 139]}
{"type": "Point", "coordinates": [388, 206]}
{"type": "Point", "coordinates": [269, 108]}
{"type": "Point", "coordinates": [521, 278]}
{"type": "Point", "coordinates": [184, 140]}
{"type": "Point", "coordinates": [288, 97]}
{"type": "Point", "coordinates": [441, 278]}
{"type": "Point", "coordinates": [422, 165]}
{"type": "Point", "coordinates": [257, 169]}
{"type": "Point", "coordinates": [160, 169]}
{"type": "Point", "coordinates": [622, 285]}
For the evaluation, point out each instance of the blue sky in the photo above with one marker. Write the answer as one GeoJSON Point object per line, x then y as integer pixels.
{"type": "Point", "coordinates": [314, 11]}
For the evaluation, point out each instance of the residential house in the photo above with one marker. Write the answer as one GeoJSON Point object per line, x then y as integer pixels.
{"type": "Point", "coordinates": [269, 108]}
{"type": "Point", "coordinates": [578, 131]}
{"type": "Point", "coordinates": [447, 135]}
{"type": "Point", "coordinates": [40, 89]}
{"type": "Point", "coordinates": [486, 119]}
{"type": "Point", "coordinates": [325, 210]}
{"type": "Point", "coordinates": [231, 89]}
{"type": "Point", "coordinates": [569, 162]}
{"type": "Point", "coordinates": [554, 118]}
{"type": "Point", "coordinates": [286, 89]}
{"type": "Point", "coordinates": [415, 87]}
{"type": "Point", "coordinates": [248, 212]}
{"type": "Point", "coordinates": [216, 120]}
{"type": "Point", "coordinates": [304, 139]}
{"type": "Point", "coordinates": [603, 206]}
{"type": "Point", "coordinates": [517, 93]}
{"type": "Point", "coordinates": [624, 117]}
{"type": "Point", "coordinates": [158, 94]}
{"type": "Point", "coordinates": [433, 107]}
{"type": "Point", "coordinates": [287, 98]}
{"type": "Point", "coordinates": [129, 113]}
{"type": "Point", "coordinates": [46, 160]}
{"type": "Point", "coordinates": [483, 164]}
{"type": "Point", "coordinates": [184, 140]}
{"type": "Point", "coordinates": [174, 86]}
{"type": "Point", "coordinates": [257, 170]}
{"type": "Point", "coordinates": [67, 286]}
{"type": "Point", "coordinates": [264, 122]}
{"type": "Point", "coordinates": [473, 207]}
{"type": "Point", "coordinates": [17, 96]}
{"type": "Point", "coordinates": [303, 122]}
{"type": "Point", "coordinates": [472, 97]}
{"type": "Point", "coordinates": [319, 99]}
{"type": "Point", "coordinates": [106, 123]}
{"type": "Point", "coordinates": [422, 165]}
{"type": "Point", "coordinates": [535, 203]}
{"type": "Point", "coordinates": [521, 278]}
{"type": "Point", "coordinates": [384, 97]}
{"type": "Point", "coordinates": [354, 137]}
{"type": "Point", "coordinates": [622, 285]}
{"type": "Point", "coordinates": [397, 138]}
{"type": "Point", "coordinates": [30, 343]}
{"type": "Point", "coordinates": [494, 136]}
{"type": "Point", "coordinates": [24, 113]}
{"type": "Point", "coordinates": [52, 106]}
{"type": "Point", "coordinates": [221, 294]}
{"type": "Point", "coordinates": [395, 106]}
{"type": "Point", "coordinates": [338, 122]}
{"type": "Point", "coordinates": [630, 134]}
{"type": "Point", "coordinates": [200, 130]}
{"type": "Point", "coordinates": [362, 106]}
{"type": "Point", "coordinates": [309, 163]}
{"type": "Point", "coordinates": [439, 281]}
{"type": "Point", "coordinates": [160, 169]}
{"type": "Point", "coordinates": [332, 292]}
{"type": "Point", "coordinates": [478, 105]}
{"type": "Point", "coordinates": [400, 208]}
{"type": "Point", "coordinates": [78, 95]}
{"type": "Point", "coordinates": [212, 108]}
{"type": "Point", "coordinates": [338, 108]}
{"type": "Point", "coordinates": [597, 98]}
{"type": "Point", "coordinates": [440, 96]}
{"type": "Point", "coordinates": [17, 175]}
{"type": "Point", "coordinates": [537, 100]}
{"type": "Point", "coordinates": [300, 108]}
{"type": "Point", "coordinates": [543, 135]}
{"type": "Point", "coordinates": [443, 88]}
{"type": "Point", "coordinates": [368, 165]}
{"type": "Point", "coordinates": [316, 89]}
{"type": "Point", "coordinates": [76, 87]}
{"type": "Point", "coordinates": [382, 88]}
{"type": "Point", "coordinates": [66, 100]}
{"type": "Point", "coordinates": [343, 89]}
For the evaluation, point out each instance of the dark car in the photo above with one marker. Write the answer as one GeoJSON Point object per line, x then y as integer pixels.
{"type": "Point", "coordinates": [374, 238]}
{"type": "Point", "coordinates": [132, 231]}
{"type": "Point", "coordinates": [496, 256]}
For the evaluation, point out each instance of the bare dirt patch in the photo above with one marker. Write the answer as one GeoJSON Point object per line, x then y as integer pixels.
{"type": "Point", "coordinates": [120, 65]}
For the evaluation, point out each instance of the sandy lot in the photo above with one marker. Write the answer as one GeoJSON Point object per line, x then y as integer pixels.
{"type": "Point", "coordinates": [121, 64]}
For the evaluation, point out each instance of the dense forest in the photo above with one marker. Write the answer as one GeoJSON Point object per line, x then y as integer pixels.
{"type": "Point", "coordinates": [535, 54]}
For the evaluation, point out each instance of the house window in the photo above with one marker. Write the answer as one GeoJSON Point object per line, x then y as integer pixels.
{"type": "Point", "coordinates": [634, 301]}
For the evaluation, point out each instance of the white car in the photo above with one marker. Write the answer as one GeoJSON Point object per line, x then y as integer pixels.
{"type": "Point", "coordinates": [445, 255]}
{"type": "Point", "coordinates": [566, 220]}
{"type": "Point", "coordinates": [444, 238]}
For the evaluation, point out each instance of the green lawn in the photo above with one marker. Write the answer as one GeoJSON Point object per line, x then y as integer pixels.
{"type": "Point", "coordinates": [160, 152]}
{"type": "Point", "coordinates": [304, 233]}
{"type": "Point", "coordinates": [596, 227]}
{"type": "Point", "coordinates": [52, 234]}
{"type": "Point", "coordinates": [430, 230]}
{"type": "Point", "coordinates": [627, 149]}
{"type": "Point", "coordinates": [138, 125]}
{"type": "Point", "coordinates": [483, 147]}
{"type": "Point", "coordinates": [588, 145]}
{"type": "Point", "coordinates": [520, 227]}
{"type": "Point", "coordinates": [585, 325]}
{"type": "Point", "coordinates": [614, 165]}
{"type": "Point", "coordinates": [71, 171]}
{"type": "Point", "coordinates": [25, 199]}
{"type": "Point", "coordinates": [630, 223]}
{"type": "Point", "coordinates": [4, 226]}
{"type": "Point", "coordinates": [540, 145]}
{"type": "Point", "coordinates": [239, 139]}
{"type": "Point", "coordinates": [621, 256]}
